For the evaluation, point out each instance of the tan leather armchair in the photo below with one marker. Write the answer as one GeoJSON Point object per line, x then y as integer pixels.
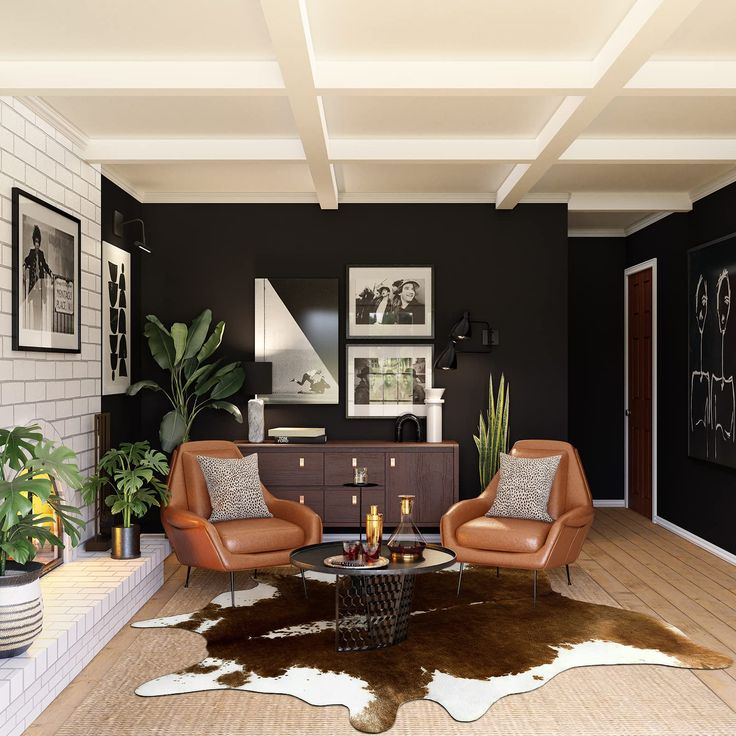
{"type": "Point", "coordinates": [522, 543]}
{"type": "Point", "coordinates": [229, 546]}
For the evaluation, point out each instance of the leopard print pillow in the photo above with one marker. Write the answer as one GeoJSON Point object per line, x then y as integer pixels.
{"type": "Point", "coordinates": [234, 487]}
{"type": "Point", "coordinates": [524, 487]}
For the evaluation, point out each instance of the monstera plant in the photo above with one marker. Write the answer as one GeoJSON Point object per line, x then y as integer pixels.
{"type": "Point", "coordinates": [197, 382]}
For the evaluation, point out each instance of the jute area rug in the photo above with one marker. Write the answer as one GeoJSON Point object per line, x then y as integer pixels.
{"type": "Point", "coordinates": [620, 700]}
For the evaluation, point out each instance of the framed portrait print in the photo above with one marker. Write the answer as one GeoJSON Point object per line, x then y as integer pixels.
{"type": "Point", "coordinates": [390, 302]}
{"type": "Point", "coordinates": [116, 301]}
{"type": "Point", "coordinates": [46, 276]}
{"type": "Point", "coordinates": [297, 331]}
{"type": "Point", "coordinates": [385, 381]}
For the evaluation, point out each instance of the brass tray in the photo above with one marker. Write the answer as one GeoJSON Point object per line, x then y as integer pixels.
{"type": "Point", "coordinates": [340, 561]}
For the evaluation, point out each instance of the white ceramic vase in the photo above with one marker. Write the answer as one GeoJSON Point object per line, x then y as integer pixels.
{"type": "Point", "coordinates": [433, 401]}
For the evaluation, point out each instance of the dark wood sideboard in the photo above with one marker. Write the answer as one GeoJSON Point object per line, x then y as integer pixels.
{"type": "Point", "coordinates": [314, 475]}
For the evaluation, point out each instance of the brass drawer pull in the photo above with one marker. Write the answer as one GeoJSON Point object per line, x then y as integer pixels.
{"type": "Point", "coordinates": [301, 499]}
{"type": "Point", "coordinates": [355, 500]}
{"type": "Point", "coordinates": [301, 462]}
{"type": "Point", "coordinates": [355, 462]}
{"type": "Point", "coordinates": [393, 462]}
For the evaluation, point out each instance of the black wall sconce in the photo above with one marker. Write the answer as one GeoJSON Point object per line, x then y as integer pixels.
{"type": "Point", "coordinates": [460, 341]}
{"type": "Point", "coordinates": [119, 223]}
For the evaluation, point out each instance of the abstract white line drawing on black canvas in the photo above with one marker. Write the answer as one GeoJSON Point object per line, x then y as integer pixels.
{"type": "Point", "coordinates": [722, 394]}
{"type": "Point", "coordinates": [700, 380]}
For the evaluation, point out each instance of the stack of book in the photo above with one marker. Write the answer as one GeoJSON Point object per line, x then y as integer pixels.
{"type": "Point", "coordinates": [298, 435]}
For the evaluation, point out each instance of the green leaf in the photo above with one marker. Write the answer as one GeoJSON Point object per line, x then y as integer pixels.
{"type": "Point", "coordinates": [17, 445]}
{"type": "Point", "coordinates": [172, 431]}
{"type": "Point", "coordinates": [201, 374]}
{"type": "Point", "coordinates": [212, 343]}
{"type": "Point", "coordinates": [160, 342]}
{"type": "Point", "coordinates": [229, 384]}
{"type": "Point", "coordinates": [197, 333]}
{"type": "Point", "coordinates": [140, 385]}
{"type": "Point", "coordinates": [179, 333]}
{"type": "Point", "coordinates": [228, 407]}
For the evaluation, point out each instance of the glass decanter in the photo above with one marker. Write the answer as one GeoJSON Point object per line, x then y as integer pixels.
{"type": "Point", "coordinates": [406, 544]}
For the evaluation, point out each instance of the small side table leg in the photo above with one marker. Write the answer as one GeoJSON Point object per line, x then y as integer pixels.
{"type": "Point", "coordinates": [304, 585]}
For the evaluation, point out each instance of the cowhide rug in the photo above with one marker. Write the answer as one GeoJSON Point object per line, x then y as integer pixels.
{"type": "Point", "coordinates": [464, 654]}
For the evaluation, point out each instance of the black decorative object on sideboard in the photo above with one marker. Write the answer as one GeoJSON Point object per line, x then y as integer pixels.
{"type": "Point", "coordinates": [315, 475]}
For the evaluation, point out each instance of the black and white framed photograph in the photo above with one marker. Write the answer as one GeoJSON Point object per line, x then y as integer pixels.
{"type": "Point", "coordinates": [297, 331]}
{"type": "Point", "coordinates": [390, 302]}
{"type": "Point", "coordinates": [384, 381]}
{"type": "Point", "coordinates": [116, 300]}
{"type": "Point", "coordinates": [712, 352]}
{"type": "Point", "coordinates": [46, 276]}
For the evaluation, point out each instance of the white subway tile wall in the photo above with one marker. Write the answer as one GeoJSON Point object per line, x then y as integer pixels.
{"type": "Point", "coordinates": [86, 602]}
{"type": "Point", "coordinates": [62, 389]}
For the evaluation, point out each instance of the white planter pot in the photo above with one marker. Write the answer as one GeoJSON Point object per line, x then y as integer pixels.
{"type": "Point", "coordinates": [21, 608]}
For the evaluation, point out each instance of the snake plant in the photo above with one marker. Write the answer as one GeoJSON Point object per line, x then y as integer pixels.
{"type": "Point", "coordinates": [493, 432]}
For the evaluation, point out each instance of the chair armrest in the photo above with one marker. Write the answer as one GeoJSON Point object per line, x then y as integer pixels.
{"type": "Point", "coordinates": [576, 517]}
{"type": "Point", "coordinates": [300, 515]}
{"type": "Point", "coordinates": [459, 514]}
{"type": "Point", "coordinates": [181, 519]}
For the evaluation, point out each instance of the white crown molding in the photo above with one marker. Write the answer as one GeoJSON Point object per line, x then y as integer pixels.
{"type": "Point", "coordinates": [230, 198]}
{"type": "Point", "coordinates": [545, 198]}
{"type": "Point", "coordinates": [415, 198]}
{"type": "Point", "coordinates": [56, 120]}
{"type": "Point", "coordinates": [714, 185]}
{"type": "Point", "coordinates": [596, 232]}
{"type": "Point", "coordinates": [123, 183]}
{"type": "Point", "coordinates": [646, 222]}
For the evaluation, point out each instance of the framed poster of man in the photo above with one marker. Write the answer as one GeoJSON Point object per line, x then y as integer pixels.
{"type": "Point", "coordinates": [46, 276]}
{"type": "Point", "coordinates": [390, 301]}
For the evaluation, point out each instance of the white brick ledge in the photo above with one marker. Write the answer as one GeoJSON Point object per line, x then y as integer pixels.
{"type": "Point", "coordinates": [86, 602]}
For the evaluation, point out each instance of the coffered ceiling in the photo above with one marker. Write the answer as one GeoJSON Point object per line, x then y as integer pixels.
{"type": "Point", "coordinates": [624, 109]}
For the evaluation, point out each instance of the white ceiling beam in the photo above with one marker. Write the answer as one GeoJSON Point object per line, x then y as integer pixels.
{"type": "Point", "coordinates": [138, 150]}
{"type": "Point", "coordinates": [426, 149]}
{"type": "Point", "coordinates": [643, 30]}
{"type": "Point", "coordinates": [651, 151]}
{"type": "Point", "coordinates": [140, 78]}
{"type": "Point", "coordinates": [683, 78]}
{"type": "Point", "coordinates": [629, 201]}
{"type": "Point", "coordinates": [452, 78]}
{"type": "Point", "coordinates": [289, 29]}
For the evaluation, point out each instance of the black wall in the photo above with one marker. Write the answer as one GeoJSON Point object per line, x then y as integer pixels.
{"type": "Point", "coordinates": [596, 387]}
{"type": "Point", "coordinates": [124, 410]}
{"type": "Point", "coordinates": [509, 268]}
{"type": "Point", "coordinates": [695, 495]}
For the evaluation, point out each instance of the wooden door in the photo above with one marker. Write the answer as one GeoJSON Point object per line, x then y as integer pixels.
{"type": "Point", "coordinates": [639, 411]}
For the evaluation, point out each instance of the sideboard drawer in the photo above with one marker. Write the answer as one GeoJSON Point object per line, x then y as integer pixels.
{"type": "Point", "coordinates": [309, 497]}
{"type": "Point", "coordinates": [341, 504]}
{"type": "Point", "coordinates": [339, 466]}
{"type": "Point", "coordinates": [291, 468]}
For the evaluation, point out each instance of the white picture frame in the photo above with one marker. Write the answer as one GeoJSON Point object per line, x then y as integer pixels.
{"type": "Point", "coordinates": [116, 302]}
{"type": "Point", "coordinates": [385, 381]}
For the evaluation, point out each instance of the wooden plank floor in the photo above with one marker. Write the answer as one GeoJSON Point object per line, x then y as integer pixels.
{"type": "Point", "coordinates": [627, 561]}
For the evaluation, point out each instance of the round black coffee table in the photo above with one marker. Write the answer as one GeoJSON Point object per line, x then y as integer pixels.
{"type": "Point", "coordinates": [372, 606]}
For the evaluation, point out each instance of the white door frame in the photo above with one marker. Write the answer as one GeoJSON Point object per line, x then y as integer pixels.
{"type": "Point", "coordinates": [652, 263]}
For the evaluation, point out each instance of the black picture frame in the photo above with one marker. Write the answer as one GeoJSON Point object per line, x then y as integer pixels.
{"type": "Point", "coordinates": [360, 276]}
{"type": "Point", "coordinates": [61, 329]}
{"type": "Point", "coordinates": [711, 268]}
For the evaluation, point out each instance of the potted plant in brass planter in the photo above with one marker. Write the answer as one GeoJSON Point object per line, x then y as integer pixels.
{"type": "Point", "coordinates": [30, 468]}
{"type": "Point", "coordinates": [134, 473]}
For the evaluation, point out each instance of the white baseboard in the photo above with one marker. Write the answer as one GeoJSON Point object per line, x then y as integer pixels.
{"type": "Point", "coordinates": [609, 502]}
{"type": "Point", "coordinates": [699, 541]}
